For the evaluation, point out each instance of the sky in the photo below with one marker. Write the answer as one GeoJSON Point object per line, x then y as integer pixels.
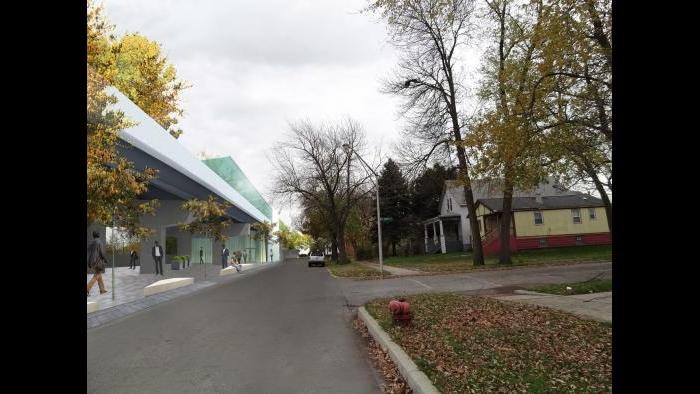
{"type": "Point", "coordinates": [255, 66]}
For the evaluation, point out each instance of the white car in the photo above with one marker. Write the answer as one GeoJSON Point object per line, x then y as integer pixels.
{"type": "Point", "coordinates": [317, 258]}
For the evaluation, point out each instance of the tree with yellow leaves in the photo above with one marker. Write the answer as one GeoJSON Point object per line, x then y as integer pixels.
{"type": "Point", "coordinates": [136, 66]}
{"type": "Point", "coordinates": [113, 185]}
{"type": "Point", "coordinates": [210, 219]}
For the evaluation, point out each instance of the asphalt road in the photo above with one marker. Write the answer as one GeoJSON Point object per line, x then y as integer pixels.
{"type": "Point", "coordinates": [281, 330]}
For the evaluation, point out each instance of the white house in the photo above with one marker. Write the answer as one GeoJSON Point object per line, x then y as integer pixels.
{"type": "Point", "coordinates": [451, 232]}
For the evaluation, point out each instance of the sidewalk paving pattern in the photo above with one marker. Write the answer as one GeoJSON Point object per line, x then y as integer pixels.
{"type": "Point", "coordinates": [129, 283]}
{"type": "Point", "coordinates": [597, 306]}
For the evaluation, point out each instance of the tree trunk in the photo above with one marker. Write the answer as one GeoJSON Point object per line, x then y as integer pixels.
{"type": "Point", "coordinates": [342, 252]}
{"type": "Point", "coordinates": [603, 195]}
{"type": "Point", "coordinates": [334, 248]}
{"type": "Point", "coordinates": [266, 250]}
{"type": "Point", "coordinates": [598, 33]}
{"type": "Point", "coordinates": [393, 246]}
{"type": "Point", "coordinates": [505, 253]}
{"type": "Point", "coordinates": [478, 252]}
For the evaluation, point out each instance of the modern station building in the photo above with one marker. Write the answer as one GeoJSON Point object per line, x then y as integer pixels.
{"type": "Point", "coordinates": [182, 176]}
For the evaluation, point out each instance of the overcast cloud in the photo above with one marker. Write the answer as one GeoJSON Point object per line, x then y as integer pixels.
{"type": "Point", "coordinates": [256, 65]}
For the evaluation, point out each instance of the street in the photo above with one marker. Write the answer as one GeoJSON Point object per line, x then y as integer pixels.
{"type": "Point", "coordinates": [282, 330]}
{"type": "Point", "coordinates": [285, 329]}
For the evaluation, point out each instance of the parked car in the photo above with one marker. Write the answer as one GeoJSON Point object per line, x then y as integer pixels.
{"type": "Point", "coordinates": [317, 258]}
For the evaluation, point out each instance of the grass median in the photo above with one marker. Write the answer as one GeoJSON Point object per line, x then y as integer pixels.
{"type": "Point", "coordinates": [479, 344]}
{"type": "Point", "coordinates": [462, 262]}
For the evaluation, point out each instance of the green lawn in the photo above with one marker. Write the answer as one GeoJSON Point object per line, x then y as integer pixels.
{"type": "Point", "coordinates": [592, 286]}
{"type": "Point", "coordinates": [460, 262]}
{"type": "Point", "coordinates": [354, 270]}
{"type": "Point", "coordinates": [479, 344]}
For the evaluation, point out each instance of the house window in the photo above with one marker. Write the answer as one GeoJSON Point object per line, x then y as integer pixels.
{"type": "Point", "coordinates": [591, 213]}
{"type": "Point", "coordinates": [579, 240]}
{"type": "Point", "coordinates": [449, 204]}
{"type": "Point", "coordinates": [576, 214]}
{"type": "Point", "coordinates": [538, 217]}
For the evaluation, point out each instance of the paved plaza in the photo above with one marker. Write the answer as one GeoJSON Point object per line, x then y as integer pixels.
{"type": "Point", "coordinates": [129, 283]}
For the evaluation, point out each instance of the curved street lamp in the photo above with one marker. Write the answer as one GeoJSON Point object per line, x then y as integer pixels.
{"type": "Point", "coordinates": [348, 149]}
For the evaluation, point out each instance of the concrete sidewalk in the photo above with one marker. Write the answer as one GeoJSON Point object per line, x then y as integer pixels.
{"type": "Point", "coordinates": [597, 306]}
{"type": "Point", "coordinates": [392, 270]}
{"type": "Point", "coordinates": [358, 292]}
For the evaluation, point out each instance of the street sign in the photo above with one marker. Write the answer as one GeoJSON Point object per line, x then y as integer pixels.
{"type": "Point", "coordinates": [387, 220]}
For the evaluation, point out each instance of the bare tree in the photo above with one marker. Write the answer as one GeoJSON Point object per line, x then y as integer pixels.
{"type": "Point", "coordinates": [428, 34]}
{"type": "Point", "coordinates": [313, 168]}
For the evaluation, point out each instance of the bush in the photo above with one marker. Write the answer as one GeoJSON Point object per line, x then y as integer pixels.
{"type": "Point", "coordinates": [365, 252]}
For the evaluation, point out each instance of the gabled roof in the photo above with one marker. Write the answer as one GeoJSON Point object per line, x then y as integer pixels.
{"type": "Point", "coordinates": [550, 202]}
{"type": "Point", "coordinates": [492, 188]}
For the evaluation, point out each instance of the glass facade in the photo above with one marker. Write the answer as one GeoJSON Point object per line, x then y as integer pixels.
{"type": "Point", "coordinates": [229, 171]}
{"type": "Point", "coordinates": [204, 243]}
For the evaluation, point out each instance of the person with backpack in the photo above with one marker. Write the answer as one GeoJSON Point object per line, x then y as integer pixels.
{"type": "Point", "coordinates": [96, 262]}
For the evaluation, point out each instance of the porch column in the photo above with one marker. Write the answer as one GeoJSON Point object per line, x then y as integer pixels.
{"type": "Point", "coordinates": [443, 249]}
{"type": "Point", "coordinates": [434, 235]}
{"type": "Point", "coordinates": [425, 230]}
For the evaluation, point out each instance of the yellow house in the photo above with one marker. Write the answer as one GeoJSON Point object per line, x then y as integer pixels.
{"type": "Point", "coordinates": [541, 222]}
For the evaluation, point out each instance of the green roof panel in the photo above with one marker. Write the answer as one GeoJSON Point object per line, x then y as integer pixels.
{"type": "Point", "coordinates": [228, 170]}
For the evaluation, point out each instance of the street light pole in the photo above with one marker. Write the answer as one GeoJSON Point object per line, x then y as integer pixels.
{"type": "Point", "coordinates": [379, 235]}
{"type": "Point", "coordinates": [379, 215]}
{"type": "Point", "coordinates": [114, 212]}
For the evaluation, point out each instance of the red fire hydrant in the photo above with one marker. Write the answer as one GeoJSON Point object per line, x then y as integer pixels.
{"type": "Point", "coordinates": [400, 311]}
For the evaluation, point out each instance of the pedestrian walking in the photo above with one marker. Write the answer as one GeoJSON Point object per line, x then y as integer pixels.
{"type": "Point", "coordinates": [201, 255]}
{"type": "Point", "coordinates": [157, 253]}
{"type": "Point", "coordinates": [224, 256]}
{"type": "Point", "coordinates": [96, 262]}
{"type": "Point", "coordinates": [133, 256]}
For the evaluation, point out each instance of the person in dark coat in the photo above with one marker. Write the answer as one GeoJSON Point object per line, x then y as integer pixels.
{"type": "Point", "coordinates": [132, 259]}
{"type": "Point", "coordinates": [96, 262]}
{"type": "Point", "coordinates": [201, 255]}
{"type": "Point", "coordinates": [224, 256]}
{"type": "Point", "coordinates": [157, 253]}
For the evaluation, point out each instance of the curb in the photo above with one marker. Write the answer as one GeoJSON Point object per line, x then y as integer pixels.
{"type": "Point", "coordinates": [416, 379]}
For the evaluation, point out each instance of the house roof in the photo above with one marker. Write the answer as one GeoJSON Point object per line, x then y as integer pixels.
{"type": "Point", "coordinates": [579, 200]}
{"type": "Point", "coordinates": [492, 188]}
